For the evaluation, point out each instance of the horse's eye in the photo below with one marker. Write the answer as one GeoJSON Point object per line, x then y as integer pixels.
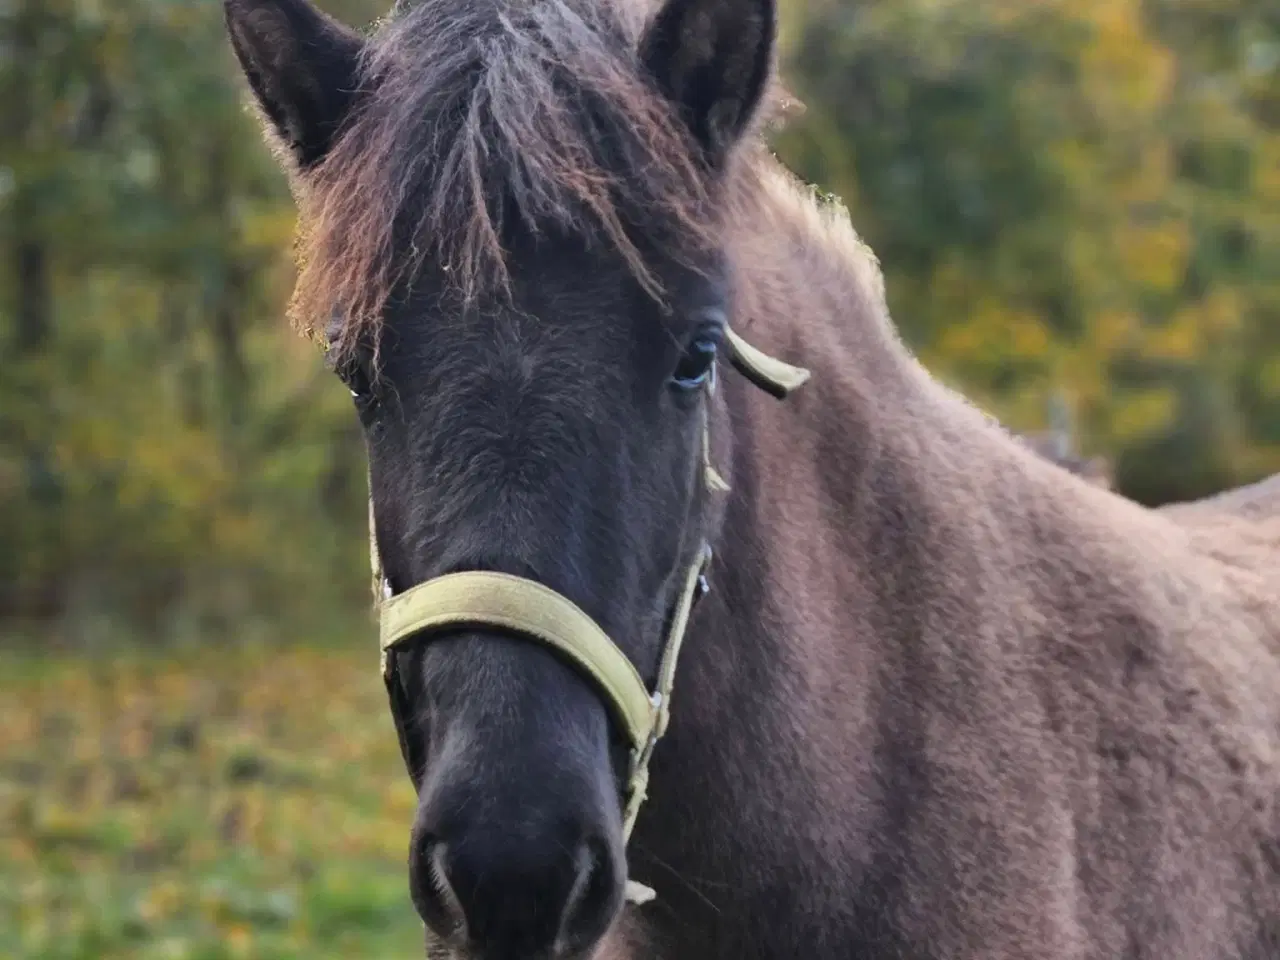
{"type": "Point", "coordinates": [696, 365]}
{"type": "Point", "coordinates": [362, 391]}
{"type": "Point", "coordinates": [356, 378]}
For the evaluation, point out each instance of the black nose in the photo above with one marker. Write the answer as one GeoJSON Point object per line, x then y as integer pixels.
{"type": "Point", "coordinates": [507, 893]}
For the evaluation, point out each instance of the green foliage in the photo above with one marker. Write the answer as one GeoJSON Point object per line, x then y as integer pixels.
{"type": "Point", "coordinates": [166, 445]}
{"type": "Point", "coordinates": [209, 806]}
{"type": "Point", "coordinates": [1072, 196]}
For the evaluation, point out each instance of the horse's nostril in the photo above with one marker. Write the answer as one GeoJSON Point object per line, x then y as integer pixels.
{"type": "Point", "coordinates": [592, 900]}
{"type": "Point", "coordinates": [433, 894]}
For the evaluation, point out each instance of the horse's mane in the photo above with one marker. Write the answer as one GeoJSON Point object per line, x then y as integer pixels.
{"type": "Point", "coordinates": [475, 117]}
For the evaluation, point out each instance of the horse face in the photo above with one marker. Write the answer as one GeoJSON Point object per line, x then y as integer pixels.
{"type": "Point", "coordinates": [548, 423]}
{"type": "Point", "coordinates": [559, 440]}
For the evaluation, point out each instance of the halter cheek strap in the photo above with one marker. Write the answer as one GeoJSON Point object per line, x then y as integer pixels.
{"type": "Point", "coordinates": [532, 611]}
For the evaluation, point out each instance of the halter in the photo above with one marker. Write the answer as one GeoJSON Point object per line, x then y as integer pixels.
{"type": "Point", "coordinates": [531, 611]}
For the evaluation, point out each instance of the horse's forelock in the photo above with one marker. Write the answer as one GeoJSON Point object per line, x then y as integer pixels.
{"type": "Point", "coordinates": [475, 114]}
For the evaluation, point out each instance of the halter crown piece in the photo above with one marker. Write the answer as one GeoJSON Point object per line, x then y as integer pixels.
{"type": "Point", "coordinates": [532, 611]}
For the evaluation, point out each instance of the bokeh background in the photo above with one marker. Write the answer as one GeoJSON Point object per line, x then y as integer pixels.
{"type": "Point", "coordinates": [1077, 207]}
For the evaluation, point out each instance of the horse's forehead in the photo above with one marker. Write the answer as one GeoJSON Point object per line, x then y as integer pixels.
{"type": "Point", "coordinates": [546, 320]}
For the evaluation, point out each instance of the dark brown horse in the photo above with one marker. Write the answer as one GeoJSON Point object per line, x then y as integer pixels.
{"type": "Point", "coordinates": [944, 699]}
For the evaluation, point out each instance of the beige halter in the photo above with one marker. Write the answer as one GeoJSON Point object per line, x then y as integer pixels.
{"type": "Point", "coordinates": [533, 611]}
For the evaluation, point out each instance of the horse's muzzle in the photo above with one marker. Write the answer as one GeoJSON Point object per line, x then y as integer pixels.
{"type": "Point", "coordinates": [495, 892]}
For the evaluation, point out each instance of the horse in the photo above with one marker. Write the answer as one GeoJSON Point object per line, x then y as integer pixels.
{"type": "Point", "coordinates": [1049, 445]}
{"type": "Point", "coordinates": [939, 698]}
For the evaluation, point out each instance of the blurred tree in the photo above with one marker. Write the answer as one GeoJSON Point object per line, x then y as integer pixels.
{"type": "Point", "coordinates": [166, 446]}
{"type": "Point", "coordinates": [1072, 195]}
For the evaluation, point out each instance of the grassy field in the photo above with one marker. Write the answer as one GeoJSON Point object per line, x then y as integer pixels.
{"type": "Point", "coordinates": [216, 805]}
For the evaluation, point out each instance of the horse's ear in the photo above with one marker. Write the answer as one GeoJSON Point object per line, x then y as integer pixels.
{"type": "Point", "coordinates": [712, 58]}
{"type": "Point", "coordinates": [302, 66]}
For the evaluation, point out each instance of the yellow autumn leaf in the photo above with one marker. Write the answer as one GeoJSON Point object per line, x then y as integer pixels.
{"type": "Point", "coordinates": [1141, 414]}
{"type": "Point", "coordinates": [1155, 256]}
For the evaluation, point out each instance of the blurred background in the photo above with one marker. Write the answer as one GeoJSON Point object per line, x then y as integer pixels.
{"type": "Point", "coordinates": [1077, 207]}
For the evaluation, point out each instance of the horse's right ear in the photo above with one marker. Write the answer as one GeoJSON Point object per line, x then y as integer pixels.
{"type": "Point", "coordinates": [712, 58]}
{"type": "Point", "coordinates": [302, 66]}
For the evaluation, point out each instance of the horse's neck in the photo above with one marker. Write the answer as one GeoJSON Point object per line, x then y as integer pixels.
{"type": "Point", "coordinates": [775, 699]}
{"type": "Point", "coordinates": [889, 567]}
{"type": "Point", "coordinates": [870, 417]}
{"type": "Point", "coordinates": [875, 497]}
{"type": "Point", "coordinates": [827, 548]}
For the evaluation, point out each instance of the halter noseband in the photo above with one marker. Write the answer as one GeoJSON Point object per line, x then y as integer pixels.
{"type": "Point", "coordinates": [533, 611]}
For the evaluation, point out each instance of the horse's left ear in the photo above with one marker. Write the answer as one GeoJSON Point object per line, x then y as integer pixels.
{"type": "Point", "coordinates": [712, 58]}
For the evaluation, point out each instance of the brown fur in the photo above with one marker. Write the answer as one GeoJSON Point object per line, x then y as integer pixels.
{"type": "Point", "coordinates": [1094, 469]}
{"type": "Point", "coordinates": [946, 700]}
{"type": "Point", "coordinates": [1040, 721]}
{"type": "Point", "coordinates": [1258, 502]}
